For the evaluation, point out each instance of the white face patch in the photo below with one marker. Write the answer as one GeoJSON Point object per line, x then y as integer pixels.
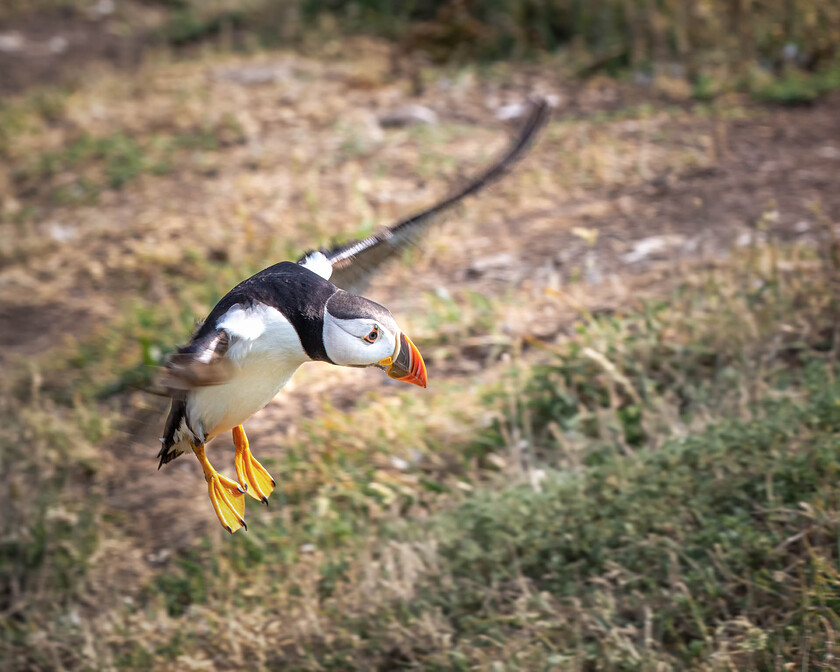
{"type": "Point", "coordinates": [351, 342]}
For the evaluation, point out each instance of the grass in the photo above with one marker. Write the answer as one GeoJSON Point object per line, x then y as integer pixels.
{"type": "Point", "coordinates": [665, 556]}
{"type": "Point", "coordinates": [77, 172]}
{"type": "Point", "coordinates": [655, 489]}
{"type": "Point", "coordinates": [795, 87]}
{"type": "Point", "coordinates": [781, 52]}
{"type": "Point", "coordinates": [650, 550]}
{"type": "Point", "coordinates": [684, 511]}
{"type": "Point", "coordinates": [36, 109]}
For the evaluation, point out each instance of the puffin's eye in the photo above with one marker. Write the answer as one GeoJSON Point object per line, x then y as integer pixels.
{"type": "Point", "coordinates": [373, 335]}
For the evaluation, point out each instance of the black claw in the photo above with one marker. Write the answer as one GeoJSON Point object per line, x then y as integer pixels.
{"type": "Point", "coordinates": [264, 500]}
{"type": "Point", "coordinates": [273, 483]}
{"type": "Point", "coordinates": [227, 527]}
{"type": "Point", "coordinates": [244, 524]}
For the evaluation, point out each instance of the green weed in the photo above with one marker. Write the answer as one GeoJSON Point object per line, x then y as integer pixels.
{"type": "Point", "coordinates": [795, 87]}
{"type": "Point", "coordinates": [94, 164]}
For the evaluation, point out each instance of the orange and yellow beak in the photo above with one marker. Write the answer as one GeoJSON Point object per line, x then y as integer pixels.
{"type": "Point", "coordinates": [406, 364]}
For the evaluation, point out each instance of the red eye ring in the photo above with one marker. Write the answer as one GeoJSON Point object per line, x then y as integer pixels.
{"type": "Point", "coordinates": [372, 336]}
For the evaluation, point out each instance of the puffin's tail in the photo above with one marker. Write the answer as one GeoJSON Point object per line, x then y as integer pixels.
{"type": "Point", "coordinates": [174, 443]}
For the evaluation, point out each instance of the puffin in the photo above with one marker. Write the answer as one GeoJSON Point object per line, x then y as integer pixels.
{"type": "Point", "coordinates": [312, 310]}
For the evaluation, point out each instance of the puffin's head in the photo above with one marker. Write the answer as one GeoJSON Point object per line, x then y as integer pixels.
{"type": "Point", "coordinates": [359, 332]}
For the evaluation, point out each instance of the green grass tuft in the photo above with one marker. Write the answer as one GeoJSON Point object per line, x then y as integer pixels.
{"type": "Point", "coordinates": [799, 88]}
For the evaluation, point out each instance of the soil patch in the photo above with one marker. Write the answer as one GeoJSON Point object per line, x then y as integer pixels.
{"type": "Point", "coordinates": [60, 46]}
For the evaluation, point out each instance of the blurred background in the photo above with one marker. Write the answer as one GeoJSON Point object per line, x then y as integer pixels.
{"type": "Point", "coordinates": [627, 457]}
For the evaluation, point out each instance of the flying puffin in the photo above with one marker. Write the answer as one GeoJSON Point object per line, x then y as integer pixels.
{"type": "Point", "coordinates": [256, 337]}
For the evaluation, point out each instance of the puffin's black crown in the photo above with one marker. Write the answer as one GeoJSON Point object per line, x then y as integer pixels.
{"type": "Point", "coordinates": [346, 306]}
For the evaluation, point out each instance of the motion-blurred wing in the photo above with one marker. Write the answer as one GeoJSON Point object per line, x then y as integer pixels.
{"type": "Point", "coordinates": [200, 363]}
{"type": "Point", "coordinates": [354, 264]}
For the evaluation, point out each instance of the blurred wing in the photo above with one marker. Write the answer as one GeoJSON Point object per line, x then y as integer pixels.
{"type": "Point", "coordinates": [354, 264]}
{"type": "Point", "coordinates": [200, 363]}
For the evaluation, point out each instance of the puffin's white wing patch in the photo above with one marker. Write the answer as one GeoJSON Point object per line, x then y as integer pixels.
{"type": "Point", "coordinates": [245, 324]}
{"type": "Point", "coordinates": [318, 263]}
{"type": "Point", "coordinates": [260, 329]}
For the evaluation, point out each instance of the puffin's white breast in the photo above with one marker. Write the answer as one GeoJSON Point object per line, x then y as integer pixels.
{"type": "Point", "coordinates": [266, 350]}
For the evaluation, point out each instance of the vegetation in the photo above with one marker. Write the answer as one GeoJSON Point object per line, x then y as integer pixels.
{"type": "Point", "coordinates": [644, 482]}
{"type": "Point", "coordinates": [637, 33]}
{"type": "Point", "coordinates": [779, 50]}
{"type": "Point", "coordinates": [677, 506]}
{"type": "Point", "coordinates": [796, 87]}
{"type": "Point", "coordinates": [111, 161]}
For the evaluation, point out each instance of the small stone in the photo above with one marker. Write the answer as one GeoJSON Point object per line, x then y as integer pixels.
{"type": "Point", "coordinates": [511, 112]}
{"type": "Point", "coordinates": [58, 44]}
{"type": "Point", "coordinates": [399, 463]}
{"type": "Point", "coordinates": [828, 152]}
{"type": "Point", "coordinates": [11, 42]}
{"type": "Point", "coordinates": [651, 246]}
{"type": "Point", "coordinates": [158, 558]}
{"type": "Point", "coordinates": [408, 115]}
{"type": "Point", "coordinates": [62, 233]}
{"type": "Point", "coordinates": [103, 8]}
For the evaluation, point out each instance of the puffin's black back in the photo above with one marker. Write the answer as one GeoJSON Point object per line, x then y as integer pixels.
{"type": "Point", "coordinates": [298, 293]}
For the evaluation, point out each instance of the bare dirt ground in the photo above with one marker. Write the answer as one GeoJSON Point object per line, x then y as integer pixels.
{"type": "Point", "coordinates": [57, 45]}
{"type": "Point", "coordinates": [607, 208]}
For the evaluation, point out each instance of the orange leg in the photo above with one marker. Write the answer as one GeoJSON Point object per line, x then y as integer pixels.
{"type": "Point", "coordinates": [253, 477]}
{"type": "Point", "coordinates": [227, 497]}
